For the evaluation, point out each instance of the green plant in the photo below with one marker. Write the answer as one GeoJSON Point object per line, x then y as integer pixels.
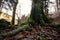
{"type": "Point", "coordinates": [31, 21]}
{"type": "Point", "coordinates": [55, 25]}
{"type": "Point", "coordinates": [4, 23]}
{"type": "Point", "coordinates": [43, 38]}
{"type": "Point", "coordinates": [42, 23]}
{"type": "Point", "coordinates": [24, 23]}
{"type": "Point", "coordinates": [28, 29]}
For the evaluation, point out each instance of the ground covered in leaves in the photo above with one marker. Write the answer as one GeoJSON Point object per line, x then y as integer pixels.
{"type": "Point", "coordinates": [37, 33]}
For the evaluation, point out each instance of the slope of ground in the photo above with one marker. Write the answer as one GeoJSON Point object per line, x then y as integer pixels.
{"type": "Point", "coordinates": [37, 33]}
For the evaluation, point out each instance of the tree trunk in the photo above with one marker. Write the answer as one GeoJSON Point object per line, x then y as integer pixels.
{"type": "Point", "coordinates": [57, 4]}
{"type": "Point", "coordinates": [13, 15]}
{"type": "Point", "coordinates": [37, 12]}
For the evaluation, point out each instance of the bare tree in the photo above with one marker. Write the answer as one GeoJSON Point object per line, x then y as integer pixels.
{"type": "Point", "coordinates": [10, 4]}
{"type": "Point", "coordinates": [14, 11]}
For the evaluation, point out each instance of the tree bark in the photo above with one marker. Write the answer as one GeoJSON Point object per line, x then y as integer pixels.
{"type": "Point", "coordinates": [13, 15]}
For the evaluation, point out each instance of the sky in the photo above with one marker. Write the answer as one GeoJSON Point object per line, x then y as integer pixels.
{"type": "Point", "coordinates": [52, 0]}
{"type": "Point", "coordinates": [52, 7]}
{"type": "Point", "coordinates": [23, 7]}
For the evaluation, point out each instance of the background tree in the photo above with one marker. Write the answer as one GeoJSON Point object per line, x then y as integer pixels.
{"type": "Point", "coordinates": [11, 4]}
{"type": "Point", "coordinates": [1, 5]}
{"type": "Point", "coordinates": [14, 10]}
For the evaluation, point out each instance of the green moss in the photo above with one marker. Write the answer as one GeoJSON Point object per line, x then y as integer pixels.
{"type": "Point", "coordinates": [55, 25]}
{"type": "Point", "coordinates": [4, 24]}
{"type": "Point", "coordinates": [42, 23]}
{"type": "Point", "coordinates": [43, 38]}
{"type": "Point", "coordinates": [28, 29]}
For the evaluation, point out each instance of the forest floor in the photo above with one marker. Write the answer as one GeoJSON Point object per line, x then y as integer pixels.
{"type": "Point", "coordinates": [38, 33]}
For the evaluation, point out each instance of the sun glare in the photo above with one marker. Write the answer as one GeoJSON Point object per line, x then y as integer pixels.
{"type": "Point", "coordinates": [23, 8]}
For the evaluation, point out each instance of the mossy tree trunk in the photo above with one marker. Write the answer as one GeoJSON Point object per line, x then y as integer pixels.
{"type": "Point", "coordinates": [37, 13]}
